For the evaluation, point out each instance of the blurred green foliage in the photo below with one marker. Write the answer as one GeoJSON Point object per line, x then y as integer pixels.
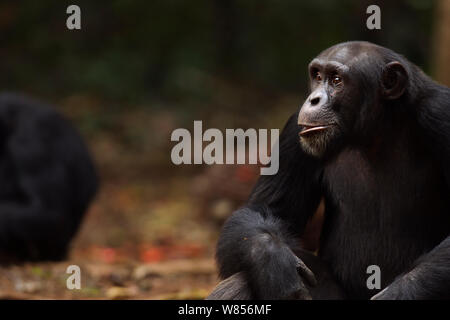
{"type": "Point", "coordinates": [132, 52]}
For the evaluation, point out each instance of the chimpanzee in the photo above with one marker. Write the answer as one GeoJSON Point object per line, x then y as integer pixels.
{"type": "Point", "coordinates": [373, 141]}
{"type": "Point", "coordinates": [47, 180]}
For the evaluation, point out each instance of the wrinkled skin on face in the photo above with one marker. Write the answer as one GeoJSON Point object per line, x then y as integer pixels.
{"type": "Point", "coordinates": [336, 107]}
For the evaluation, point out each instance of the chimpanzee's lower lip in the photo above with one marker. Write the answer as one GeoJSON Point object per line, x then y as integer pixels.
{"type": "Point", "coordinates": [310, 129]}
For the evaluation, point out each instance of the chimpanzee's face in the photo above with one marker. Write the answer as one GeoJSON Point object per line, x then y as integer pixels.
{"type": "Point", "coordinates": [347, 82]}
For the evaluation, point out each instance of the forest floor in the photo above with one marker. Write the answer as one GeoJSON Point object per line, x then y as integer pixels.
{"type": "Point", "coordinates": [141, 239]}
{"type": "Point", "coordinates": [130, 246]}
{"type": "Point", "coordinates": [136, 242]}
{"type": "Point", "coordinates": [151, 231]}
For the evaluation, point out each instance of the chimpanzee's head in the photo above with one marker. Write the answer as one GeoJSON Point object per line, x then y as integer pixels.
{"type": "Point", "coordinates": [351, 84]}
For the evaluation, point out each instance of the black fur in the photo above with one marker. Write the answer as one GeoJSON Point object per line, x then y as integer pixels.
{"type": "Point", "coordinates": [385, 178]}
{"type": "Point", "coordinates": [47, 180]}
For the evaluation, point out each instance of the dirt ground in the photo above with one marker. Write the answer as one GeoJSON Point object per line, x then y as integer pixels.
{"type": "Point", "coordinates": [130, 246]}
{"type": "Point", "coordinates": [141, 239]}
{"type": "Point", "coordinates": [177, 279]}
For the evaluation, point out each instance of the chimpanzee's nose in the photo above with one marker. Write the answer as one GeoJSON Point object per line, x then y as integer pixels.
{"type": "Point", "coordinates": [315, 100]}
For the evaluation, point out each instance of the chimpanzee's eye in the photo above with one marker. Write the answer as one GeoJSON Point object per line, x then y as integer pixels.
{"type": "Point", "coordinates": [317, 76]}
{"type": "Point", "coordinates": [335, 80]}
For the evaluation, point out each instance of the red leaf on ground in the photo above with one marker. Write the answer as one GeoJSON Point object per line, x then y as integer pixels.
{"type": "Point", "coordinates": [152, 254]}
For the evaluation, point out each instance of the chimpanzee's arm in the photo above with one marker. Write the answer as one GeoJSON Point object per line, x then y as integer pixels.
{"type": "Point", "coordinates": [258, 239]}
{"type": "Point", "coordinates": [428, 279]}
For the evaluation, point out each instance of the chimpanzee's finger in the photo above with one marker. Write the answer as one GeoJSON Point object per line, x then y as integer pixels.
{"type": "Point", "coordinates": [306, 272]}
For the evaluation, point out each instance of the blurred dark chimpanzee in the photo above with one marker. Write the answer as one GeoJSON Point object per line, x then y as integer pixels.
{"type": "Point", "coordinates": [47, 180]}
{"type": "Point", "coordinates": [372, 140]}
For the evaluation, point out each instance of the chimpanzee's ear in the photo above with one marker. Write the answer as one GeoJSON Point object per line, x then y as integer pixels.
{"type": "Point", "coordinates": [394, 80]}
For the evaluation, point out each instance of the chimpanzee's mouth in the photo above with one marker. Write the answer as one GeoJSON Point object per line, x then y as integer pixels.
{"type": "Point", "coordinates": [309, 128]}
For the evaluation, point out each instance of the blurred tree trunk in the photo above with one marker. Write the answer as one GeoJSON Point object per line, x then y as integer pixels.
{"type": "Point", "coordinates": [442, 42]}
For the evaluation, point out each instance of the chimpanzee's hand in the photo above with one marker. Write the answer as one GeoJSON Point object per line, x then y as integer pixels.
{"type": "Point", "coordinates": [276, 272]}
